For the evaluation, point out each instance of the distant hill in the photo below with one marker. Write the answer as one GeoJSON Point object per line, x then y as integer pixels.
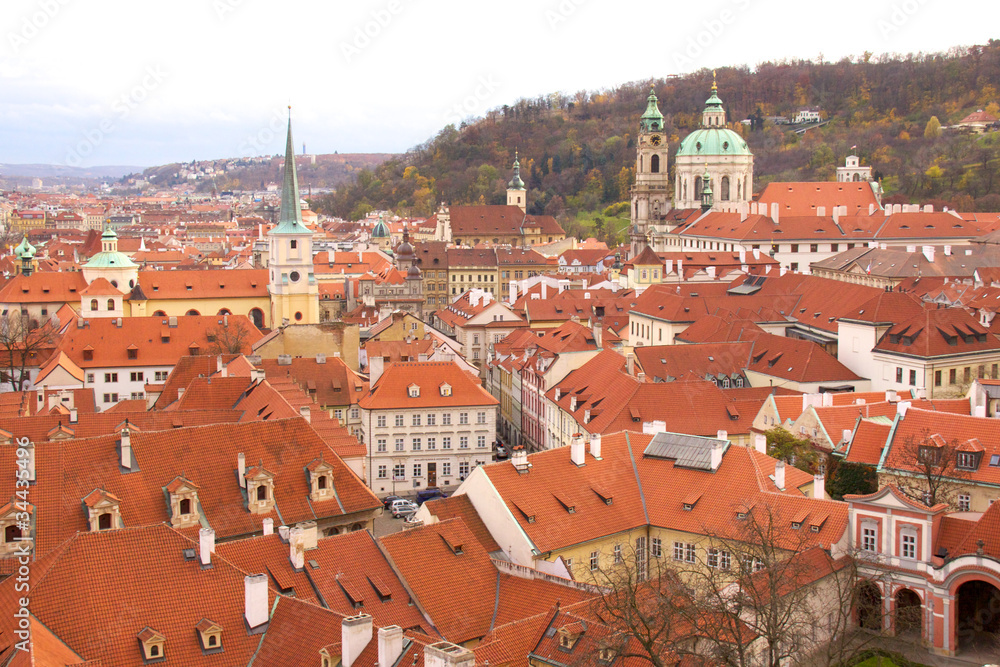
{"type": "Point", "coordinates": [319, 171]}
{"type": "Point", "coordinates": [578, 151]}
{"type": "Point", "coordinates": [63, 172]}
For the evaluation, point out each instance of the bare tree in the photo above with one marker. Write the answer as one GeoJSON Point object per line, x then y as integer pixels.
{"type": "Point", "coordinates": [926, 468]}
{"type": "Point", "coordinates": [232, 336]}
{"type": "Point", "coordinates": [25, 343]}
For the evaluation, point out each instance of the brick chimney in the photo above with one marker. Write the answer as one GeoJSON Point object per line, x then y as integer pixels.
{"type": "Point", "coordinates": [355, 633]}
{"type": "Point", "coordinates": [255, 600]}
{"type": "Point", "coordinates": [390, 644]}
{"type": "Point", "coordinates": [206, 546]}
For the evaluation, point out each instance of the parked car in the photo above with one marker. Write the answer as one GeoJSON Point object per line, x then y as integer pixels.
{"type": "Point", "coordinates": [502, 452]}
{"type": "Point", "coordinates": [387, 501]}
{"type": "Point", "coordinates": [403, 508]}
{"type": "Point", "coordinates": [424, 495]}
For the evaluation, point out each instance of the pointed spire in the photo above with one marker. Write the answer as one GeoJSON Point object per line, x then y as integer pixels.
{"type": "Point", "coordinates": [516, 183]}
{"type": "Point", "coordinates": [652, 119]}
{"type": "Point", "coordinates": [290, 216]}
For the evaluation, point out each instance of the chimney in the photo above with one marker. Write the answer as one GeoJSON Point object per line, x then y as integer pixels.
{"type": "Point", "coordinates": [846, 435]}
{"type": "Point", "coordinates": [947, 251]}
{"type": "Point", "coordinates": [640, 376]}
{"type": "Point", "coordinates": [519, 459]}
{"type": "Point", "coordinates": [827, 399]}
{"type": "Point", "coordinates": [558, 394]}
{"type": "Point", "coordinates": [979, 411]}
{"type": "Point", "coordinates": [820, 211]}
{"type": "Point", "coordinates": [446, 654]}
{"type": "Point", "coordinates": [921, 393]}
{"type": "Point", "coordinates": [310, 535]}
{"type": "Point", "coordinates": [74, 416]}
{"type": "Point", "coordinates": [891, 396]}
{"type": "Point", "coordinates": [836, 215]}
{"type": "Point", "coordinates": [269, 526]}
{"type": "Point", "coordinates": [126, 442]}
{"type": "Point", "coordinates": [756, 254]}
{"type": "Point", "coordinates": [779, 475]}
{"type": "Point", "coordinates": [283, 533]}
{"type": "Point", "coordinates": [241, 468]}
{"type": "Point", "coordinates": [306, 412]}
{"type": "Point", "coordinates": [598, 333]}
{"type": "Point", "coordinates": [595, 445]}
{"type": "Point", "coordinates": [320, 358]}
{"type": "Point", "coordinates": [819, 485]}
{"type": "Point", "coordinates": [760, 442]}
{"type": "Point", "coordinates": [774, 212]}
{"type": "Point", "coordinates": [206, 544]}
{"type": "Point", "coordinates": [871, 209]}
{"type": "Point", "coordinates": [296, 548]}
{"type": "Point", "coordinates": [255, 600]}
{"type": "Point", "coordinates": [513, 298]}
{"type": "Point", "coordinates": [375, 367]}
{"type": "Point", "coordinates": [577, 452]}
{"type": "Point", "coordinates": [586, 416]}
{"type": "Point", "coordinates": [722, 435]}
{"type": "Point", "coordinates": [716, 452]}
{"type": "Point", "coordinates": [545, 291]}
{"type": "Point", "coordinates": [572, 403]}
{"type": "Point", "coordinates": [902, 407]}
{"type": "Point", "coordinates": [355, 633]}
{"type": "Point", "coordinates": [929, 252]}
{"type": "Point", "coordinates": [390, 644]}
{"type": "Point", "coordinates": [630, 363]}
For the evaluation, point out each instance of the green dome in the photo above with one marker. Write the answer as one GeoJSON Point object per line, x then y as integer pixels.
{"type": "Point", "coordinates": [713, 141]}
{"type": "Point", "coordinates": [24, 249]}
{"type": "Point", "coordinates": [381, 230]}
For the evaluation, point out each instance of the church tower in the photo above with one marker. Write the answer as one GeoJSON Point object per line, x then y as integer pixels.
{"type": "Point", "coordinates": [650, 201]}
{"type": "Point", "coordinates": [294, 293]}
{"type": "Point", "coordinates": [516, 194]}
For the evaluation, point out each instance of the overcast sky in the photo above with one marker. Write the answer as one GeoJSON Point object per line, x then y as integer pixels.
{"type": "Point", "coordinates": [145, 82]}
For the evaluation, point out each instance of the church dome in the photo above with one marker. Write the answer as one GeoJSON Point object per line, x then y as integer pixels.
{"type": "Point", "coordinates": [413, 272]}
{"type": "Point", "coordinates": [380, 230]}
{"type": "Point", "coordinates": [713, 141]}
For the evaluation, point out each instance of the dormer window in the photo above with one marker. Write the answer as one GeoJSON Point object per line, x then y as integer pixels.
{"type": "Point", "coordinates": [968, 460]}
{"type": "Point", "coordinates": [569, 635]}
{"type": "Point", "coordinates": [10, 525]}
{"type": "Point", "coordinates": [152, 644]}
{"type": "Point", "coordinates": [103, 510]}
{"type": "Point", "coordinates": [320, 480]}
{"type": "Point", "coordinates": [183, 498]}
{"type": "Point", "coordinates": [446, 389]}
{"type": "Point", "coordinates": [260, 490]}
{"type": "Point", "coordinates": [413, 391]}
{"type": "Point", "coordinates": [210, 636]}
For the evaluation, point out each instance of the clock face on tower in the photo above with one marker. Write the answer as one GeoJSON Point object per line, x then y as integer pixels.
{"type": "Point", "coordinates": [655, 140]}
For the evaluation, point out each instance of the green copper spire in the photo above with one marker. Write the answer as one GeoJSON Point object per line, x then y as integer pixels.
{"type": "Point", "coordinates": [706, 191]}
{"type": "Point", "coordinates": [652, 119]}
{"type": "Point", "coordinates": [24, 250]}
{"type": "Point", "coordinates": [516, 183]}
{"type": "Point", "coordinates": [290, 217]}
{"type": "Point", "coordinates": [713, 103]}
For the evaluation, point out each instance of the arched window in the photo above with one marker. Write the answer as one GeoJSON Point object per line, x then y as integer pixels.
{"type": "Point", "coordinates": [104, 521]}
{"type": "Point", "coordinates": [261, 492]}
{"type": "Point", "coordinates": [857, 177]}
{"type": "Point", "coordinates": [192, 312]}
{"type": "Point", "coordinates": [225, 311]}
{"type": "Point", "coordinates": [159, 313]}
{"type": "Point", "coordinates": [321, 482]}
{"type": "Point", "coordinates": [685, 189]}
{"type": "Point", "coordinates": [724, 195]}
{"type": "Point", "coordinates": [186, 506]}
{"type": "Point", "coordinates": [697, 186]}
{"type": "Point", "coordinates": [93, 304]}
{"type": "Point", "coordinates": [654, 164]}
{"type": "Point", "coordinates": [111, 304]}
{"type": "Point", "coordinates": [11, 533]}
{"type": "Point", "coordinates": [257, 317]}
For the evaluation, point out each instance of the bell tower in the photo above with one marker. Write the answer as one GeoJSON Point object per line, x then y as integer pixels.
{"type": "Point", "coordinates": [291, 282]}
{"type": "Point", "coordinates": [650, 201]}
{"type": "Point", "coordinates": [516, 194]}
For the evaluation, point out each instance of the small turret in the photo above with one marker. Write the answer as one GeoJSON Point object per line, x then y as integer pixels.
{"type": "Point", "coordinates": [516, 194]}
{"type": "Point", "coordinates": [651, 120]}
{"type": "Point", "coordinates": [706, 191]}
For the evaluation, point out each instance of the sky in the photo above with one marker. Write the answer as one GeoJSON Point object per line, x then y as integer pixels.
{"type": "Point", "coordinates": [147, 82]}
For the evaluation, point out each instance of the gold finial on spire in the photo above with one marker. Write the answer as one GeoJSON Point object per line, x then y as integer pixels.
{"type": "Point", "coordinates": [714, 86]}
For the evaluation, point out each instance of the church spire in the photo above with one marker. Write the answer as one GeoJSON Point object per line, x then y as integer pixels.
{"type": "Point", "coordinates": [516, 183]}
{"type": "Point", "coordinates": [707, 199]}
{"type": "Point", "coordinates": [713, 115]}
{"type": "Point", "coordinates": [652, 119]}
{"type": "Point", "coordinates": [290, 217]}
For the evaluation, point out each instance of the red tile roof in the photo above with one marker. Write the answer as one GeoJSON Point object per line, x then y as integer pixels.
{"type": "Point", "coordinates": [391, 389]}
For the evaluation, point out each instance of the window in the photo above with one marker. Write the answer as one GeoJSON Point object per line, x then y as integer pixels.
{"type": "Point", "coordinates": [899, 374]}
{"type": "Point", "coordinates": [417, 444]}
{"type": "Point", "coordinates": [446, 468]}
{"type": "Point", "coordinates": [294, 244]}
{"type": "Point", "coordinates": [795, 247]}
{"type": "Point", "coordinates": [595, 560]}
{"type": "Point", "coordinates": [355, 413]}
{"type": "Point", "coordinates": [952, 376]}
{"type": "Point", "coordinates": [813, 247]}
{"type": "Point", "coordinates": [481, 441]}
{"type": "Point", "coordinates": [90, 378]}
{"type": "Point", "coordinates": [937, 378]}
{"type": "Point", "coordinates": [138, 395]}
{"type": "Point", "coordinates": [418, 469]}
{"type": "Point", "coordinates": [399, 420]}
{"type": "Point", "coordinates": [133, 354]}
{"type": "Point", "coordinates": [431, 443]}
{"type": "Point", "coordinates": [869, 537]}
{"type": "Point", "coordinates": [966, 374]}
{"type": "Point", "coordinates": [93, 304]}
{"type": "Point", "coordinates": [161, 376]}
{"type": "Point", "coordinates": [678, 551]}
{"type": "Point", "coordinates": [381, 445]}
{"type": "Point", "coordinates": [909, 541]}
{"type": "Point", "coordinates": [110, 398]}
{"type": "Point", "coordinates": [446, 419]}
{"type": "Point", "coordinates": [463, 442]}
{"type": "Point", "coordinates": [185, 506]}
{"type": "Point", "coordinates": [380, 421]}
{"type": "Point", "coordinates": [569, 563]}
{"type": "Point", "coordinates": [964, 502]}
{"type": "Point", "coordinates": [339, 414]}
{"type": "Point", "coordinates": [399, 472]}
{"type": "Point", "coordinates": [136, 376]}
{"type": "Point", "coordinates": [967, 460]}
{"type": "Point", "coordinates": [719, 559]}
{"type": "Point", "coordinates": [480, 417]}
{"type": "Point", "coordinates": [399, 444]}
{"type": "Point", "coordinates": [656, 547]}
{"type": "Point", "coordinates": [111, 377]}
{"type": "Point", "coordinates": [463, 469]}
{"type": "Point", "coordinates": [475, 339]}
{"type": "Point", "coordinates": [432, 419]}
{"type": "Point", "coordinates": [913, 378]}
{"type": "Point", "coordinates": [104, 521]}
{"type": "Point", "coordinates": [446, 442]}
{"type": "Point", "coordinates": [618, 554]}
{"type": "Point", "coordinates": [262, 492]}
{"type": "Point", "coordinates": [416, 420]}
{"type": "Point", "coordinates": [463, 417]}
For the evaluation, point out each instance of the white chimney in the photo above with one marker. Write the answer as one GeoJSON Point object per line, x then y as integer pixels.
{"type": "Point", "coordinates": [722, 435]}
{"type": "Point", "coordinates": [269, 526]}
{"type": "Point", "coordinates": [446, 654]}
{"type": "Point", "coordinates": [586, 416]}
{"type": "Point", "coordinates": [774, 212]}
{"type": "Point", "coordinates": [630, 363]}
{"type": "Point", "coordinates": [545, 291]}
{"type": "Point", "coordinates": [979, 411]}
{"type": "Point", "coordinates": [846, 434]}
{"type": "Point", "coordinates": [206, 545]}
{"type": "Point", "coordinates": [355, 633]}
{"type": "Point", "coordinates": [283, 533]}
{"type": "Point", "coordinates": [241, 469]}
{"type": "Point", "coordinates": [820, 211]}
{"type": "Point", "coordinates": [827, 399]}
{"type": "Point", "coordinates": [819, 485]}
{"type": "Point", "coordinates": [513, 298]}
{"type": "Point", "coordinates": [716, 452]}
{"type": "Point", "coordinates": [73, 416]}
{"type": "Point", "coordinates": [760, 442]}
{"type": "Point", "coordinates": [126, 441]}
{"type": "Point", "coordinates": [572, 403]}
{"type": "Point", "coordinates": [255, 600]}
{"type": "Point", "coordinates": [310, 535]}
{"type": "Point", "coordinates": [947, 251]}
{"type": "Point", "coordinates": [306, 413]}
{"type": "Point", "coordinates": [595, 445]}
{"type": "Point", "coordinates": [375, 367]}
{"type": "Point", "coordinates": [640, 376]}
{"type": "Point", "coordinates": [390, 645]}
{"type": "Point", "coordinates": [756, 254]}
{"type": "Point", "coordinates": [921, 393]}
{"type": "Point", "coordinates": [902, 407]}
{"type": "Point", "coordinates": [871, 209]}
{"type": "Point", "coordinates": [779, 475]}
{"type": "Point", "coordinates": [598, 333]}
{"type": "Point", "coordinates": [891, 396]}
{"type": "Point", "coordinates": [929, 252]}
{"type": "Point", "coordinates": [296, 548]}
{"type": "Point", "coordinates": [577, 450]}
